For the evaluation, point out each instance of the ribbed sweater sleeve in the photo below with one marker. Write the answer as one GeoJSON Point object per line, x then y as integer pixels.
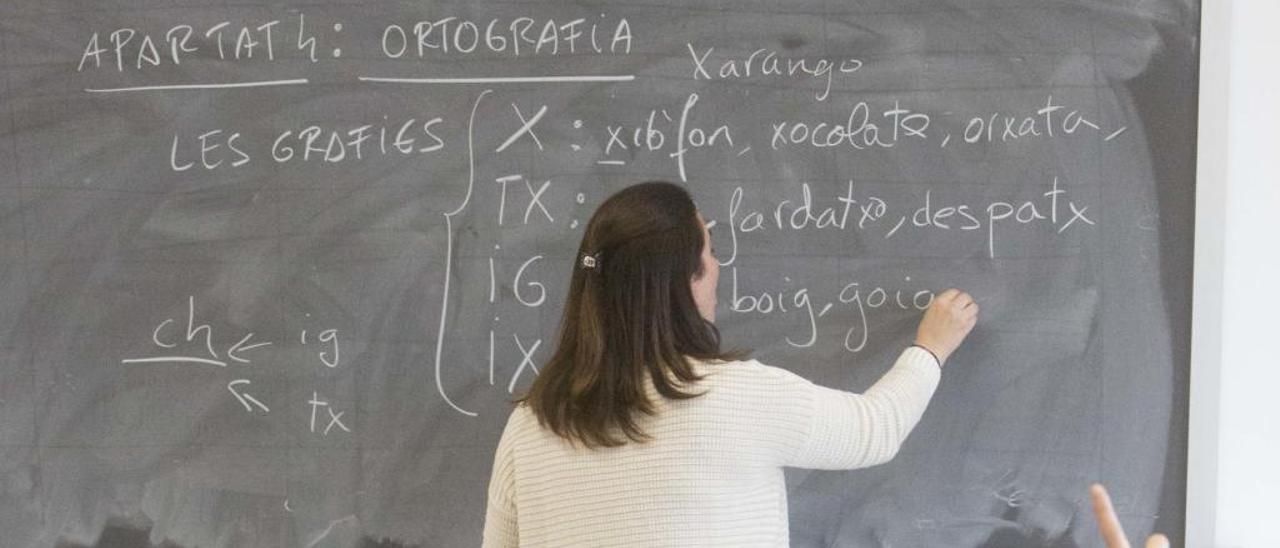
{"type": "Point", "coordinates": [500, 521]}
{"type": "Point", "coordinates": [847, 430]}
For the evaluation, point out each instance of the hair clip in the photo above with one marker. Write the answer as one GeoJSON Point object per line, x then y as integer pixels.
{"type": "Point", "coordinates": [590, 261]}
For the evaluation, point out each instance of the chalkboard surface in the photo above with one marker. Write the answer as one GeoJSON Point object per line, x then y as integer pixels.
{"type": "Point", "coordinates": [270, 273]}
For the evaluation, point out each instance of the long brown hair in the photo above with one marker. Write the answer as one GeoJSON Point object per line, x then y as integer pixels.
{"type": "Point", "coordinates": [629, 318]}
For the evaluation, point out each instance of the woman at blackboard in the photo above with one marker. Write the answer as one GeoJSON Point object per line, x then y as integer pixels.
{"type": "Point", "coordinates": [641, 431]}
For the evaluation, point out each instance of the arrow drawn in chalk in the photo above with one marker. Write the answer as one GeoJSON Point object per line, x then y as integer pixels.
{"type": "Point", "coordinates": [240, 347]}
{"type": "Point", "coordinates": [245, 399]}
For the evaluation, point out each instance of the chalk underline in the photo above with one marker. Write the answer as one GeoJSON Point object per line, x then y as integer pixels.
{"type": "Point", "coordinates": [176, 359]}
{"type": "Point", "coordinates": [254, 84]}
{"type": "Point", "coordinates": [502, 79]}
{"type": "Point", "coordinates": [378, 79]}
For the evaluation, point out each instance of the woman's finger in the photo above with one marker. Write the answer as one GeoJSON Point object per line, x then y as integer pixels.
{"type": "Point", "coordinates": [947, 295]}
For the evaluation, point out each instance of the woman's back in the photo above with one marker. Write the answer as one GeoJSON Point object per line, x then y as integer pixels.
{"type": "Point", "coordinates": [640, 431]}
{"type": "Point", "coordinates": [711, 474]}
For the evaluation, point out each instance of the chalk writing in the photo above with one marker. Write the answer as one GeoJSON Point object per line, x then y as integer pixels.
{"type": "Point", "coordinates": [130, 48]}
{"type": "Point", "coordinates": [692, 135]}
{"type": "Point", "coordinates": [765, 62]}
{"type": "Point", "coordinates": [190, 341]}
{"type": "Point", "coordinates": [453, 35]}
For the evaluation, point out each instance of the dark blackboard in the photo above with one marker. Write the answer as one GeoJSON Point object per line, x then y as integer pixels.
{"type": "Point", "coordinates": [270, 273]}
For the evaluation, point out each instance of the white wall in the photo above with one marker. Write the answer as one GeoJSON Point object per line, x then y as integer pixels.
{"type": "Point", "coordinates": [1233, 497]}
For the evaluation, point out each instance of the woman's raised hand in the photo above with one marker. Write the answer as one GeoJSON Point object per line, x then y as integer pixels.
{"type": "Point", "coordinates": [946, 323]}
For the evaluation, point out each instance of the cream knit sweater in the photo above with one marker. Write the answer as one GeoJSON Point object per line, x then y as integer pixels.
{"type": "Point", "coordinates": [712, 473]}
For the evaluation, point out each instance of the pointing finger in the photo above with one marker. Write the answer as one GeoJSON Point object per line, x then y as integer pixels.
{"type": "Point", "coordinates": [1108, 524]}
{"type": "Point", "coordinates": [947, 295]}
